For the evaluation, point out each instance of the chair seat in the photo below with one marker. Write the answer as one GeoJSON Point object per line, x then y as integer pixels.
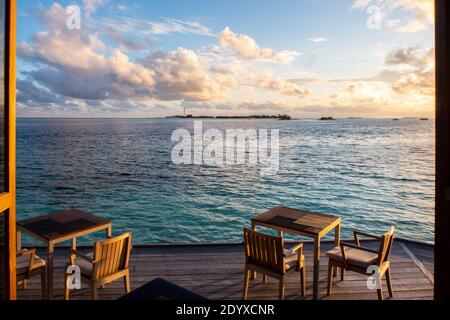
{"type": "Point", "coordinates": [291, 259]}
{"type": "Point", "coordinates": [85, 266]}
{"type": "Point", "coordinates": [355, 257]}
{"type": "Point", "coordinates": [23, 262]}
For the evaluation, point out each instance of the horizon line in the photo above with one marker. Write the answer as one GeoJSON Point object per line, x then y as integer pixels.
{"type": "Point", "coordinates": [229, 118]}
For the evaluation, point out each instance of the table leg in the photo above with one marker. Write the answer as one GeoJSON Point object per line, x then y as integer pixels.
{"type": "Point", "coordinates": [19, 240]}
{"type": "Point", "coordinates": [337, 243]}
{"type": "Point", "coordinates": [316, 268]}
{"type": "Point", "coordinates": [109, 232]}
{"type": "Point", "coordinates": [50, 260]}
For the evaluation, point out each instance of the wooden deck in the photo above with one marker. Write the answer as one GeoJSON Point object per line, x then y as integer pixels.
{"type": "Point", "coordinates": [216, 272]}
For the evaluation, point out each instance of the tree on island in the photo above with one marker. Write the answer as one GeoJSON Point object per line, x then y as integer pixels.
{"type": "Point", "coordinates": [284, 117]}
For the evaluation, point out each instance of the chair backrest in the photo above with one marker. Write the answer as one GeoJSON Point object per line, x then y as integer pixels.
{"type": "Point", "coordinates": [264, 251]}
{"type": "Point", "coordinates": [111, 256]}
{"type": "Point", "coordinates": [386, 245]}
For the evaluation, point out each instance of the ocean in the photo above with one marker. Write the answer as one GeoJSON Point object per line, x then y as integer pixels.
{"type": "Point", "coordinates": [371, 173]}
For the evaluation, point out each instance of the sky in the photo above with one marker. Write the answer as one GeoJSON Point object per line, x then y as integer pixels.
{"type": "Point", "coordinates": [306, 58]}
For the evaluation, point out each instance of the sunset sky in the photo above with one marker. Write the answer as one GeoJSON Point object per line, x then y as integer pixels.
{"type": "Point", "coordinates": [307, 58]}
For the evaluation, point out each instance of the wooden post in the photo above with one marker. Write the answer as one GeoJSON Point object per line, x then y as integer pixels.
{"type": "Point", "coordinates": [8, 198]}
{"type": "Point", "coordinates": [442, 216]}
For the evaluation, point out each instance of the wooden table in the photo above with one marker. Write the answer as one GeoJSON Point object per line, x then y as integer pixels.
{"type": "Point", "coordinates": [59, 227]}
{"type": "Point", "coordinates": [303, 223]}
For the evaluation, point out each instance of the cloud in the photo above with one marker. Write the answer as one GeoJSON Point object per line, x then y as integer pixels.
{"type": "Point", "coordinates": [418, 14]}
{"type": "Point", "coordinates": [318, 39]}
{"type": "Point", "coordinates": [28, 92]}
{"type": "Point", "coordinates": [310, 59]}
{"type": "Point", "coordinates": [90, 6]}
{"type": "Point", "coordinates": [75, 67]}
{"type": "Point", "coordinates": [70, 64]}
{"type": "Point", "coordinates": [267, 80]}
{"type": "Point", "coordinates": [419, 82]}
{"type": "Point", "coordinates": [181, 75]}
{"type": "Point", "coordinates": [411, 56]}
{"type": "Point", "coordinates": [419, 78]}
{"type": "Point", "coordinates": [153, 28]}
{"type": "Point", "coordinates": [248, 49]}
{"type": "Point", "coordinates": [130, 34]}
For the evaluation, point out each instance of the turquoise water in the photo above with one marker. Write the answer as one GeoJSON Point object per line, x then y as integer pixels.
{"type": "Point", "coordinates": [372, 173]}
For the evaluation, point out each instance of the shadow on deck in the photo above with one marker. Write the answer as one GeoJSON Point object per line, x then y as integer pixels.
{"type": "Point", "coordinates": [216, 272]}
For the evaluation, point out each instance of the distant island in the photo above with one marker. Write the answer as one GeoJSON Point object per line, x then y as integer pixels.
{"type": "Point", "coordinates": [327, 119]}
{"type": "Point", "coordinates": [190, 116]}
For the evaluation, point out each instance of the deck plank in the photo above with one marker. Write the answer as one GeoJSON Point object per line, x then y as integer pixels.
{"type": "Point", "coordinates": [216, 272]}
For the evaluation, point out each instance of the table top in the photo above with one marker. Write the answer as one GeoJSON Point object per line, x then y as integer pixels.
{"type": "Point", "coordinates": [160, 289]}
{"type": "Point", "coordinates": [298, 221]}
{"type": "Point", "coordinates": [62, 224]}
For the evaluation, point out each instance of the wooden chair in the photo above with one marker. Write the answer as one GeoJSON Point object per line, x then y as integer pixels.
{"type": "Point", "coordinates": [109, 262]}
{"type": "Point", "coordinates": [358, 259]}
{"type": "Point", "coordinates": [29, 265]}
{"type": "Point", "coordinates": [266, 255]}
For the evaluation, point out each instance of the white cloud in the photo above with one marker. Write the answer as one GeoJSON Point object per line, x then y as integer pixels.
{"type": "Point", "coordinates": [318, 39]}
{"type": "Point", "coordinates": [153, 28]}
{"type": "Point", "coordinates": [248, 49]}
{"type": "Point", "coordinates": [182, 75]}
{"type": "Point", "coordinates": [267, 80]}
{"type": "Point", "coordinates": [76, 65]}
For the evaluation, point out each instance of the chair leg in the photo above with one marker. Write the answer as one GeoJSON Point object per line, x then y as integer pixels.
{"type": "Point", "coordinates": [44, 283]}
{"type": "Point", "coordinates": [342, 274]}
{"type": "Point", "coordinates": [281, 297]}
{"type": "Point", "coordinates": [264, 278]}
{"type": "Point", "coordinates": [380, 289]}
{"type": "Point", "coordinates": [303, 280]}
{"type": "Point", "coordinates": [389, 283]}
{"type": "Point", "coordinates": [330, 278]}
{"type": "Point", "coordinates": [380, 294]}
{"type": "Point", "coordinates": [94, 291]}
{"type": "Point", "coordinates": [246, 281]}
{"type": "Point", "coordinates": [67, 288]}
{"type": "Point", "coordinates": [25, 284]}
{"type": "Point", "coordinates": [127, 283]}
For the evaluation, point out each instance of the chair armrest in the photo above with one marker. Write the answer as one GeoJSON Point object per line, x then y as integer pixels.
{"type": "Point", "coordinates": [25, 252]}
{"type": "Point", "coordinates": [297, 248]}
{"type": "Point", "coordinates": [82, 256]}
{"type": "Point", "coordinates": [32, 254]}
{"type": "Point", "coordinates": [357, 234]}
